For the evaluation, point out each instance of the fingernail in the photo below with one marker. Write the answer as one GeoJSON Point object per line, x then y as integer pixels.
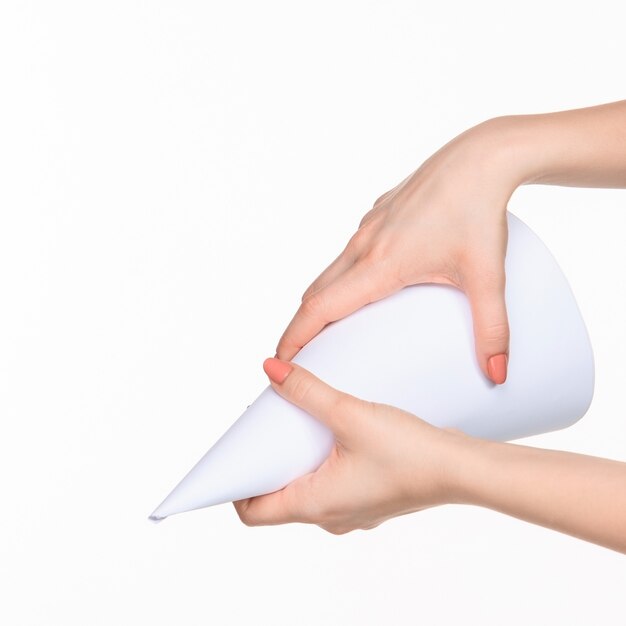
{"type": "Point", "coordinates": [277, 370]}
{"type": "Point", "coordinates": [496, 366]}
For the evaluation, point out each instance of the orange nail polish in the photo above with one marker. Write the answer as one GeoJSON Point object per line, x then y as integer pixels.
{"type": "Point", "coordinates": [277, 370]}
{"type": "Point", "coordinates": [497, 366]}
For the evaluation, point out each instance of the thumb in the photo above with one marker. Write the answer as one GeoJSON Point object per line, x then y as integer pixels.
{"type": "Point", "coordinates": [491, 326]}
{"type": "Point", "coordinates": [335, 409]}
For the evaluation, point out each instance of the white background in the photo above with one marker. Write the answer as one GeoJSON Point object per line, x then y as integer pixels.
{"type": "Point", "coordinates": [172, 177]}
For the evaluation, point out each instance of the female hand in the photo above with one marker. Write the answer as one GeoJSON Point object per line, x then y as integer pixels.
{"type": "Point", "coordinates": [445, 223]}
{"type": "Point", "coordinates": [385, 462]}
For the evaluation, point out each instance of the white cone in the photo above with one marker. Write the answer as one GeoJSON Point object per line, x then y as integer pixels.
{"type": "Point", "coordinates": [415, 350]}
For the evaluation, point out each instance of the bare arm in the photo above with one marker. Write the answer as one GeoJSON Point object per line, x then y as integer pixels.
{"type": "Point", "coordinates": [387, 462]}
{"type": "Point", "coordinates": [580, 495]}
{"type": "Point", "coordinates": [445, 223]}
{"type": "Point", "coordinates": [578, 148]}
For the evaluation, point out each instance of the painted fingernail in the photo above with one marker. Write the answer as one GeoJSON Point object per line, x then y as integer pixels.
{"type": "Point", "coordinates": [497, 366]}
{"type": "Point", "coordinates": [277, 370]}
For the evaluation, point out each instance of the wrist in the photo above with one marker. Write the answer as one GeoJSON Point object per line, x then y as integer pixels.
{"type": "Point", "coordinates": [528, 147]}
{"type": "Point", "coordinates": [514, 148]}
{"type": "Point", "coordinates": [466, 467]}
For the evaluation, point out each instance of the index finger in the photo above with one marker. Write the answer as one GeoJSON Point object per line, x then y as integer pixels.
{"type": "Point", "coordinates": [285, 506]}
{"type": "Point", "coordinates": [360, 284]}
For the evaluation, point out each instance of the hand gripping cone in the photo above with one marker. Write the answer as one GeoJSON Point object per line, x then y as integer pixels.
{"type": "Point", "coordinates": [415, 350]}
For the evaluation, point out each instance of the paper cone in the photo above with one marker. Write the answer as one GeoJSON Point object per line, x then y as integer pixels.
{"type": "Point", "coordinates": [423, 336]}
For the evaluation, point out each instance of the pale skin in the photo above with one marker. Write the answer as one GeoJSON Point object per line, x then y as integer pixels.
{"type": "Point", "coordinates": [446, 223]}
{"type": "Point", "coordinates": [387, 462]}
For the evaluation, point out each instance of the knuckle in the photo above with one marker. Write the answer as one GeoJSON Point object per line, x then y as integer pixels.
{"type": "Point", "coordinates": [359, 240]}
{"type": "Point", "coordinates": [368, 215]}
{"type": "Point", "coordinates": [300, 388]}
{"type": "Point", "coordinates": [335, 530]}
{"type": "Point", "coordinates": [313, 306]}
{"type": "Point", "coordinates": [247, 520]}
{"type": "Point", "coordinates": [312, 287]}
{"type": "Point", "coordinates": [373, 255]}
{"type": "Point", "coordinates": [245, 516]}
{"type": "Point", "coordinates": [379, 200]}
{"type": "Point", "coordinates": [285, 346]}
{"type": "Point", "coordinates": [382, 198]}
{"type": "Point", "coordinates": [494, 333]}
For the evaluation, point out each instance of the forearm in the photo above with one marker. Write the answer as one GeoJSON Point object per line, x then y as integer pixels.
{"type": "Point", "coordinates": [579, 495]}
{"type": "Point", "coordinates": [578, 148]}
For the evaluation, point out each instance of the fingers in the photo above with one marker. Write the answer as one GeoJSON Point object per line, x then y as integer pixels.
{"type": "Point", "coordinates": [335, 409]}
{"type": "Point", "coordinates": [360, 284]}
{"type": "Point", "coordinates": [491, 326]}
{"type": "Point", "coordinates": [339, 411]}
{"type": "Point", "coordinates": [280, 507]}
{"type": "Point", "coordinates": [335, 269]}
